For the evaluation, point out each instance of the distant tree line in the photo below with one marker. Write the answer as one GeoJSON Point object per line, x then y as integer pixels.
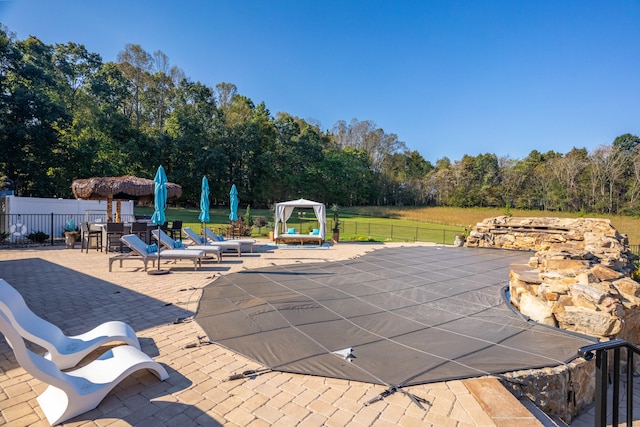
{"type": "Point", "coordinates": [65, 114]}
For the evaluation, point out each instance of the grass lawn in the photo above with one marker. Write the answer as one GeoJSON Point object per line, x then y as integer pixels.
{"type": "Point", "coordinates": [469, 217]}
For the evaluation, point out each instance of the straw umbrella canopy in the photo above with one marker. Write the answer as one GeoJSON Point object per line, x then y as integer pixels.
{"type": "Point", "coordinates": [119, 188]}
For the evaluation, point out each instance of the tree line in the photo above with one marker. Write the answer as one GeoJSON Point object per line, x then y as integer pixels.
{"type": "Point", "coordinates": [65, 114]}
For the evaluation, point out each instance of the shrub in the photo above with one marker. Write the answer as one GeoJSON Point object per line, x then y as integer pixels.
{"type": "Point", "coordinates": [260, 221]}
{"type": "Point", "coordinates": [38, 237]}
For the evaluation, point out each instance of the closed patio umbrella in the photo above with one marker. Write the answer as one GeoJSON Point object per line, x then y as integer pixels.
{"type": "Point", "coordinates": [204, 205]}
{"type": "Point", "coordinates": [233, 198]}
{"type": "Point", "coordinates": [160, 204]}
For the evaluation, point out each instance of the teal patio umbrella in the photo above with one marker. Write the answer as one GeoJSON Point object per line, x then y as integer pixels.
{"type": "Point", "coordinates": [204, 206]}
{"type": "Point", "coordinates": [233, 198]}
{"type": "Point", "coordinates": [159, 204]}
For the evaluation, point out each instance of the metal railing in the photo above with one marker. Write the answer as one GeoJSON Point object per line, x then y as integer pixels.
{"type": "Point", "coordinates": [365, 231]}
{"type": "Point", "coordinates": [603, 377]}
{"type": "Point", "coordinates": [15, 229]}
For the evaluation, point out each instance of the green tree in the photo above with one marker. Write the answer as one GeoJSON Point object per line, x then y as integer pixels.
{"type": "Point", "coordinates": [76, 66]}
{"type": "Point", "coordinates": [626, 142]}
{"type": "Point", "coordinates": [195, 128]}
{"type": "Point", "coordinates": [348, 178]}
{"type": "Point", "coordinates": [135, 64]}
{"type": "Point", "coordinates": [33, 114]}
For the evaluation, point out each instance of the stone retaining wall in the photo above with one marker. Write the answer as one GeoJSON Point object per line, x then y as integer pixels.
{"type": "Point", "coordinates": [578, 278]}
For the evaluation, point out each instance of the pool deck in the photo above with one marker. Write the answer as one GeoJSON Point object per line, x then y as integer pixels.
{"type": "Point", "coordinates": [76, 291]}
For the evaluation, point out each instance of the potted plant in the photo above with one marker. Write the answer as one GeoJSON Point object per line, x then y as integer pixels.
{"type": "Point", "coordinates": [336, 224]}
{"type": "Point", "coordinates": [71, 234]}
{"type": "Point", "coordinates": [271, 225]}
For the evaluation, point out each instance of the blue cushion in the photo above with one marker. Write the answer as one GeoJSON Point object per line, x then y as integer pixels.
{"type": "Point", "coordinates": [291, 231]}
{"type": "Point", "coordinates": [152, 248]}
{"type": "Point", "coordinates": [177, 244]}
{"type": "Point", "coordinates": [315, 231]}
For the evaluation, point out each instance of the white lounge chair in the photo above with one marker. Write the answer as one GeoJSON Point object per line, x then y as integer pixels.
{"type": "Point", "coordinates": [216, 239]}
{"type": "Point", "coordinates": [64, 351]}
{"type": "Point", "coordinates": [201, 240]}
{"type": "Point", "coordinates": [139, 251]}
{"type": "Point", "coordinates": [75, 392]}
{"type": "Point", "coordinates": [193, 236]}
{"type": "Point", "coordinates": [169, 243]}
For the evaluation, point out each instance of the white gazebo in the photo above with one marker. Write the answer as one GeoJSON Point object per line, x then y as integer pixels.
{"type": "Point", "coordinates": [284, 211]}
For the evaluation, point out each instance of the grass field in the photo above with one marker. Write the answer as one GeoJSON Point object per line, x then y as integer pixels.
{"type": "Point", "coordinates": [469, 217]}
{"type": "Point", "coordinates": [433, 224]}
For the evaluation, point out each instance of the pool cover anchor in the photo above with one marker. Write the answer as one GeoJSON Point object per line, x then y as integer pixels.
{"type": "Point", "coordinates": [392, 389]}
{"type": "Point", "coordinates": [251, 374]}
{"type": "Point", "coordinates": [345, 353]}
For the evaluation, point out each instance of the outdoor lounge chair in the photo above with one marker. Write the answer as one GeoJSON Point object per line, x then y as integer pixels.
{"type": "Point", "coordinates": [216, 239]}
{"type": "Point", "coordinates": [74, 392]}
{"type": "Point", "coordinates": [140, 251]}
{"type": "Point", "coordinates": [64, 351]}
{"type": "Point", "coordinates": [193, 236]}
{"type": "Point", "coordinates": [169, 243]}
{"type": "Point", "coordinates": [224, 243]}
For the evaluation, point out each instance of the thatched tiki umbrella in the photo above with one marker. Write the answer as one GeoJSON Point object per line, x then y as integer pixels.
{"type": "Point", "coordinates": [119, 188]}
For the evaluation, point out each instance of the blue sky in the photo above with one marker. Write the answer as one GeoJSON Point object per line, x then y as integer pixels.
{"type": "Point", "coordinates": [448, 77]}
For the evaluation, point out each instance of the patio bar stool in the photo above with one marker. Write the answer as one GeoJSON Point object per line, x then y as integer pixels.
{"type": "Point", "coordinates": [140, 228]}
{"type": "Point", "coordinates": [87, 234]}
{"type": "Point", "coordinates": [114, 231]}
{"type": "Point", "coordinates": [176, 228]}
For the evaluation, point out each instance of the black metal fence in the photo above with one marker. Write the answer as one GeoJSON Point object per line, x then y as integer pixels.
{"type": "Point", "coordinates": [363, 231]}
{"type": "Point", "coordinates": [15, 230]}
{"type": "Point", "coordinates": [371, 231]}
{"type": "Point", "coordinates": [37, 229]}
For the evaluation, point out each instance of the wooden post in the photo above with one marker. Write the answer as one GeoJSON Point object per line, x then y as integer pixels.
{"type": "Point", "coordinates": [109, 208]}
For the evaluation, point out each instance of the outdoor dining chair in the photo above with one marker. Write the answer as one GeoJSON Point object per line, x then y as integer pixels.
{"type": "Point", "coordinates": [114, 231]}
{"type": "Point", "coordinates": [87, 234]}
{"type": "Point", "coordinates": [141, 229]}
{"type": "Point", "coordinates": [176, 228]}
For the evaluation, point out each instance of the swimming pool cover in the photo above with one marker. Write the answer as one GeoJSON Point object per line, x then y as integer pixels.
{"type": "Point", "coordinates": [396, 317]}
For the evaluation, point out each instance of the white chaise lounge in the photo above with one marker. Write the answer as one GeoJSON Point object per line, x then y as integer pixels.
{"type": "Point", "coordinates": [140, 251]}
{"type": "Point", "coordinates": [65, 351]}
{"type": "Point", "coordinates": [169, 243]}
{"type": "Point", "coordinates": [74, 392]}
{"type": "Point", "coordinates": [217, 239]}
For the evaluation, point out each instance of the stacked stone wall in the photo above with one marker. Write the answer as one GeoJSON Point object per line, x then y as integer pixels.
{"type": "Point", "coordinates": [578, 278]}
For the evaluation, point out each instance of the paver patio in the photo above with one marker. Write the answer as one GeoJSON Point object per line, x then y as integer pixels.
{"type": "Point", "coordinates": [75, 291]}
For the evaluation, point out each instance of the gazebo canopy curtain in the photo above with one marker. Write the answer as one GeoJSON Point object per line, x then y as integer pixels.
{"type": "Point", "coordinates": [284, 210]}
